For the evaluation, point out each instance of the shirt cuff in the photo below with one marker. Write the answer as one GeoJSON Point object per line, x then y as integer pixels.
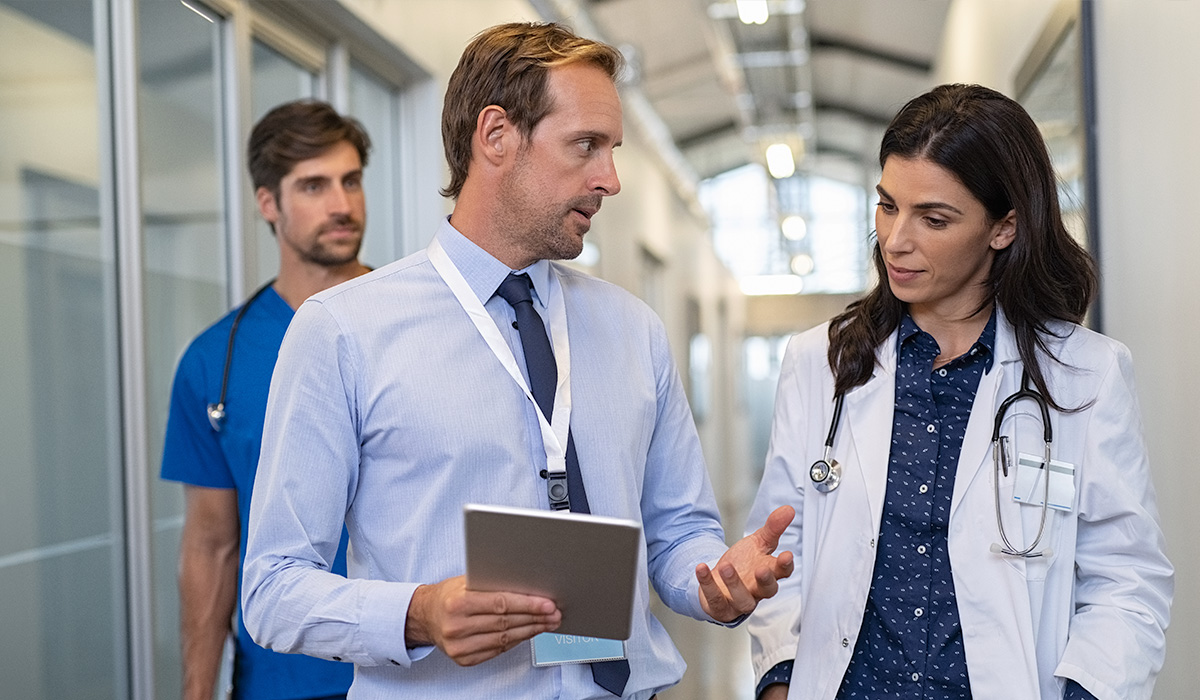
{"type": "Point", "coordinates": [383, 618]}
{"type": "Point", "coordinates": [779, 673]}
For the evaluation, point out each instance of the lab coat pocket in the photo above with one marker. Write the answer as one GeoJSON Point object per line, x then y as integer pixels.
{"type": "Point", "coordinates": [1023, 527]}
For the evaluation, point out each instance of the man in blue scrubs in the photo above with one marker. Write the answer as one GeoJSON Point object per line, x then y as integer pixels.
{"type": "Point", "coordinates": [306, 163]}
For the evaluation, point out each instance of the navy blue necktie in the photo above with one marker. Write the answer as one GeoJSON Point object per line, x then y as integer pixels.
{"type": "Point", "coordinates": [543, 378]}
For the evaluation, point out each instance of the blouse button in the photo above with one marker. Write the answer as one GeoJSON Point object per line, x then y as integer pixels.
{"type": "Point", "coordinates": [916, 676]}
{"type": "Point", "coordinates": [924, 488]}
{"type": "Point", "coordinates": [941, 372]}
{"type": "Point", "coordinates": [931, 428]}
{"type": "Point", "coordinates": [920, 549]}
{"type": "Point", "coordinates": [919, 612]}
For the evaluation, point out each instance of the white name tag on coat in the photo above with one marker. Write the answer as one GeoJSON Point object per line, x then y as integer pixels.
{"type": "Point", "coordinates": [1030, 487]}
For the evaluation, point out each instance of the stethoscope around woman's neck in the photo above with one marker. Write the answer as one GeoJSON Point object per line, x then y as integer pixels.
{"type": "Point", "coordinates": [826, 473]}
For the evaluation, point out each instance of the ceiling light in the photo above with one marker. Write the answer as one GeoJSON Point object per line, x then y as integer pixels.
{"type": "Point", "coordinates": [766, 285]}
{"type": "Point", "coordinates": [779, 161]}
{"type": "Point", "coordinates": [794, 228]}
{"type": "Point", "coordinates": [753, 11]}
{"type": "Point", "coordinates": [802, 264]}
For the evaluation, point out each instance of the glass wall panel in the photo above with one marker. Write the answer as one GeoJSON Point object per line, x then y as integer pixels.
{"type": "Point", "coordinates": [275, 79]}
{"type": "Point", "coordinates": [376, 104]}
{"type": "Point", "coordinates": [184, 243]}
{"type": "Point", "coordinates": [62, 591]}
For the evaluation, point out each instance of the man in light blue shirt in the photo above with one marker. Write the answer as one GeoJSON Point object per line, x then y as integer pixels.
{"type": "Point", "coordinates": [390, 409]}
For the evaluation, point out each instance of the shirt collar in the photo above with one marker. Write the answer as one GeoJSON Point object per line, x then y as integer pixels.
{"type": "Point", "coordinates": [986, 344]}
{"type": "Point", "coordinates": [483, 272]}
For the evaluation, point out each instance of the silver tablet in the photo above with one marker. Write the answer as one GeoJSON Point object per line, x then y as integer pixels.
{"type": "Point", "coordinates": [587, 564]}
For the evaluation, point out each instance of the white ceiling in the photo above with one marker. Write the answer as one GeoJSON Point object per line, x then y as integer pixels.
{"type": "Point", "coordinates": [827, 72]}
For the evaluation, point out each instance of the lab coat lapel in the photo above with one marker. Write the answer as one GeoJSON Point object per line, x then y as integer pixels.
{"type": "Point", "coordinates": [975, 460]}
{"type": "Point", "coordinates": [869, 410]}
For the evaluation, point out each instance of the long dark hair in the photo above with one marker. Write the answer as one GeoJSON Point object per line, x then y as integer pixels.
{"type": "Point", "coordinates": [994, 148]}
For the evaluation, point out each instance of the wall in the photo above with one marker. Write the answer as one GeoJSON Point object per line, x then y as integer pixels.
{"type": "Point", "coordinates": [1146, 117]}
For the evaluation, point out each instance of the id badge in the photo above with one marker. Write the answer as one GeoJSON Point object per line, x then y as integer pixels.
{"type": "Point", "coordinates": [550, 649]}
{"type": "Point", "coordinates": [1030, 487]}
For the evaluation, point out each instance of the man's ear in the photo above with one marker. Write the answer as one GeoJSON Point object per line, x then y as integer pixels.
{"type": "Point", "coordinates": [495, 135]}
{"type": "Point", "coordinates": [268, 205]}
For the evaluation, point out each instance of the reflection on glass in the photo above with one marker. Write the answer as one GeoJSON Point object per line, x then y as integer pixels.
{"type": "Point", "coordinates": [275, 79]}
{"type": "Point", "coordinates": [1054, 99]}
{"type": "Point", "coordinates": [184, 252]}
{"type": "Point", "coordinates": [61, 572]}
{"type": "Point", "coordinates": [375, 104]}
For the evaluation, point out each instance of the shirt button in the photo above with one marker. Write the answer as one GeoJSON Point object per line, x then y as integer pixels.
{"type": "Point", "coordinates": [931, 428]}
{"type": "Point", "coordinates": [916, 676]}
{"type": "Point", "coordinates": [845, 642]}
{"type": "Point", "coordinates": [920, 549]}
{"type": "Point", "coordinates": [924, 488]}
{"type": "Point", "coordinates": [919, 612]}
{"type": "Point", "coordinates": [941, 372]}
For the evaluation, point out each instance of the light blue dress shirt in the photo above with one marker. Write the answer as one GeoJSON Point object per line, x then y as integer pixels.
{"type": "Point", "coordinates": [388, 411]}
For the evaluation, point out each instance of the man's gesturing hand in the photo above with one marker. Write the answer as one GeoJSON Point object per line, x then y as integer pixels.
{"type": "Point", "coordinates": [747, 572]}
{"type": "Point", "coordinates": [472, 627]}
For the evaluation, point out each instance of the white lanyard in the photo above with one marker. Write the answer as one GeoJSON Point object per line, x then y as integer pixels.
{"type": "Point", "coordinates": [554, 434]}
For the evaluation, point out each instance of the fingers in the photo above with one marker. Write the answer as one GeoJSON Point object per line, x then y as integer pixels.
{"type": "Point", "coordinates": [479, 646]}
{"type": "Point", "coordinates": [727, 599]}
{"type": "Point", "coordinates": [712, 598]}
{"type": "Point", "coordinates": [471, 626]}
{"type": "Point", "coordinates": [785, 564]}
{"type": "Point", "coordinates": [777, 524]}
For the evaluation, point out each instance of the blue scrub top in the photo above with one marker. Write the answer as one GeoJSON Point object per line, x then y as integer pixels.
{"type": "Point", "coordinates": [194, 453]}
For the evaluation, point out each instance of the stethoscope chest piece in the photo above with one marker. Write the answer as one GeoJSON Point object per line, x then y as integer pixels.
{"type": "Point", "coordinates": [216, 415]}
{"type": "Point", "coordinates": [826, 474]}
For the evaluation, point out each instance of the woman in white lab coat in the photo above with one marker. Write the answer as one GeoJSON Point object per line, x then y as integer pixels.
{"type": "Point", "coordinates": [906, 585]}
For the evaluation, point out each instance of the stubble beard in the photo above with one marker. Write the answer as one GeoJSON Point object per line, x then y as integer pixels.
{"type": "Point", "coordinates": [325, 254]}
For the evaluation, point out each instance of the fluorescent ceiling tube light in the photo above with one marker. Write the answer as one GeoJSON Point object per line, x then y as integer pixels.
{"type": "Point", "coordinates": [753, 11]}
{"type": "Point", "coordinates": [779, 161]}
{"type": "Point", "coordinates": [767, 285]}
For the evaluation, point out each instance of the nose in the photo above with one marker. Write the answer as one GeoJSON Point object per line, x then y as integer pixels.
{"type": "Point", "coordinates": [338, 201]}
{"type": "Point", "coordinates": [892, 232]}
{"type": "Point", "coordinates": [605, 182]}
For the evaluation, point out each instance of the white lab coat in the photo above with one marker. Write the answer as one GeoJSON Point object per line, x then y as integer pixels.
{"type": "Point", "coordinates": [1095, 611]}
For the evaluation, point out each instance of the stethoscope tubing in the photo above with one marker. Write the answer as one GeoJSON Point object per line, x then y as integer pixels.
{"type": "Point", "coordinates": [825, 473]}
{"type": "Point", "coordinates": [216, 411]}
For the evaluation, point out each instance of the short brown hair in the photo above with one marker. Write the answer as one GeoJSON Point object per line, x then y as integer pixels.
{"type": "Point", "coordinates": [507, 66]}
{"type": "Point", "coordinates": [294, 132]}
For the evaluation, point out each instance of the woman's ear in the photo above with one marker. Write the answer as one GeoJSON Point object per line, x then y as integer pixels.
{"type": "Point", "coordinates": [1004, 231]}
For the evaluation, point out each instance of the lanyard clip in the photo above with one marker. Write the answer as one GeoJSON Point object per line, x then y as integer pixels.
{"type": "Point", "coordinates": [556, 489]}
